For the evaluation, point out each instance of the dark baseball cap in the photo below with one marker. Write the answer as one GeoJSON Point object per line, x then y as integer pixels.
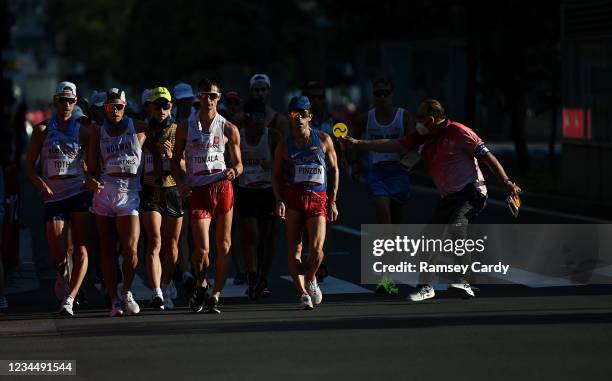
{"type": "Point", "coordinates": [299, 103]}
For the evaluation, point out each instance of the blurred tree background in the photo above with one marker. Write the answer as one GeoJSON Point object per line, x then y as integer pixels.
{"type": "Point", "coordinates": [512, 47]}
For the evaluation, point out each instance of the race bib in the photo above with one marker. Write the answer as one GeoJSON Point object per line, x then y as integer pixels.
{"type": "Point", "coordinates": [148, 164]}
{"type": "Point", "coordinates": [150, 168]}
{"type": "Point", "coordinates": [123, 164]}
{"type": "Point", "coordinates": [61, 167]}
{"type": "Point", "coordinates": [204, 165]}
{"type": "Point", "coordinates": [254, 175]}
{"type": "Point", "coordinates": [310, 173]}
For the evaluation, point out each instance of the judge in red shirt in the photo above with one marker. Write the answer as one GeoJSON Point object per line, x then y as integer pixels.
{"type": "Point", "coordinates": [452, 153]}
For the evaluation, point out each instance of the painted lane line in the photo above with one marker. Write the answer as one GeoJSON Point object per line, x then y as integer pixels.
{"type": "Point", "coordinates": [346, 229]}
{"type": "Point", "coordinates": [333, 285]}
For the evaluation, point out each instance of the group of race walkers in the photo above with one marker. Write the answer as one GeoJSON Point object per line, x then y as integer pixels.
{"type": "Point", "coordinates": [183, 156]}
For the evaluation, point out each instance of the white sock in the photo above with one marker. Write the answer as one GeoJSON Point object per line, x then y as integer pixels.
{"type": "Point", "coordinates": [158, 292]}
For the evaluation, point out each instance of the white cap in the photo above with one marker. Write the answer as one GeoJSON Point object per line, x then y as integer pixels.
{"type": "Point", "coordinates": [182, 91]}
{"type": "Point", "coordinates": [144, 98]}
{"type": "Point", "coordinates": [260, 78]}
{"type": "Point", "coordinates": [66, 89]}
{"type": "Point", "coordinates": [97, 98]}
{"type": "Point", "coordinates": [115, 93]}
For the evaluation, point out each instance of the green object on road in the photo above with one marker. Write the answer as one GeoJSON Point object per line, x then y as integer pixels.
{"type": "Point", "coordinates": [387, 286]}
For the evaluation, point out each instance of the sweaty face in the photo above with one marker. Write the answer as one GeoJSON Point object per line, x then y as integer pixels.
{"type": "Point", "coordinates": [422, 117]}
{"type": "Point", "coordinates": [382, 95]}
{"type": "Point", "coordinates": [161, 109]}
{"type": "Point", "coordinates": [64, 106]}
{"type": "Point", "coordinates": [114, 110]}
{"type": "Point", "coordinates": [209, 98]}
{"type": "Point", "coordinates": [299, 119]}
{"type": "Point", "coordinates": [260, 91]}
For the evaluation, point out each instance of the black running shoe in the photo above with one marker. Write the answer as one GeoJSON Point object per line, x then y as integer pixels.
{"type": "Point", "coordinates": [262, 288]}
{"type": "Point", "coordinates": [80, 300]}
{"type": "Point", "coordinates": [157, 302]}
{"type": "Point", "coordinates": [212, 305]}
{"type": "Point", "coordinates": [196, 303]}
{"type": "Point", "coordinates": [252, 279]}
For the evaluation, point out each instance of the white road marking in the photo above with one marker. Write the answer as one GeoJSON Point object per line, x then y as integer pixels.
{"type": "Point", "coordinates": [605, 271]}
{"type": "Point", "coordinates": [346, 229]}
{"type": "Point", "coordinates": [332, 285]}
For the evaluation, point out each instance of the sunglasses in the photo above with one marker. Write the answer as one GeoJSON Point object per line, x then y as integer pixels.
{"type": "Point", "coordinates": [165, 106]}
{"type": "Point", "coordinates": [66, 100]}
{"type": "Point", "coordinates": [256, 116]}
{"type": "Point", "coordinates": [299, 113]}
{"type": "Point", "coordinates": [210, 94]}
{"type": "Point", "coordinates": [317, 96]}
{"type": "Point", "coordinates": [114, 106]}
{"type": "Point", "coordinates": [382, 93]}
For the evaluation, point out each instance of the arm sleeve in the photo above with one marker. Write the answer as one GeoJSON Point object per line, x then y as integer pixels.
{"type": "Point", "coordinates": [470, 142]}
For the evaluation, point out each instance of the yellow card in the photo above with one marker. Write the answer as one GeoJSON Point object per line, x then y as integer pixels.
{"type": "Point", "coordinates": [340, 129]}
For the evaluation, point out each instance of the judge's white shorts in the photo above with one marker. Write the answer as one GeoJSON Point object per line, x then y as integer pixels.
{"type": "Point", "coordinates": [112, 202]}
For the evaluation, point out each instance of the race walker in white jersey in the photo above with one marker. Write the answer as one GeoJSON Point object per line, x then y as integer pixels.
{"type": "Point", "coordinates": [118, 143]}
{"type": "Point", "coordinates": [60, 144]}
{"type": "Point", "coordinates": [255, 198]}
{"type": "Point", "coordinates": [202, 140]}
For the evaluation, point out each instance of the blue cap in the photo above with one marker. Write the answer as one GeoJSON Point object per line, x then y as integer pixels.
{"type": "Point", "coordinates": [299, 103]}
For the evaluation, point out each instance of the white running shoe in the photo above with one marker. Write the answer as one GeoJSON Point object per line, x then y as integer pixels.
{"type": "Point", "coordinates": [66, 308]}
{"type": "Point", "coordinates": [157, 301]}
{"type": "Point", "coordinates": [424, 293]}
{"type": "Point", "coordinates": [314, 291]}
{"type": "Point", "coordinates": [464, 289]}
{"type": "Point", "coordinates": [117, 308]}
{"type": "Point", "coordinates": [131, 307]}
{"type": "Point", "coordinates": [306, 302]}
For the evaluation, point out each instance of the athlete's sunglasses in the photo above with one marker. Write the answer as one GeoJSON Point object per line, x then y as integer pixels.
{"type": "Point", "coordinates": [260, 89]}
{"type": "Point", "coordinates": [66, 100]}
{"type": "Point", "coordinates": [382, 93]}
{"type": "Point", "coordinates": [301, 113]}
{"type": "Point", "coordinates": [114, 106]}
{"type": "Point", "coordinates": [162, 105]}
{"type": "Point", "coordinates": [210, 94]}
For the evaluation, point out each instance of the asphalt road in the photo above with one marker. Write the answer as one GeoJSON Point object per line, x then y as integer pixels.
{"type": "Point", "coordinates": [508, 332]}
